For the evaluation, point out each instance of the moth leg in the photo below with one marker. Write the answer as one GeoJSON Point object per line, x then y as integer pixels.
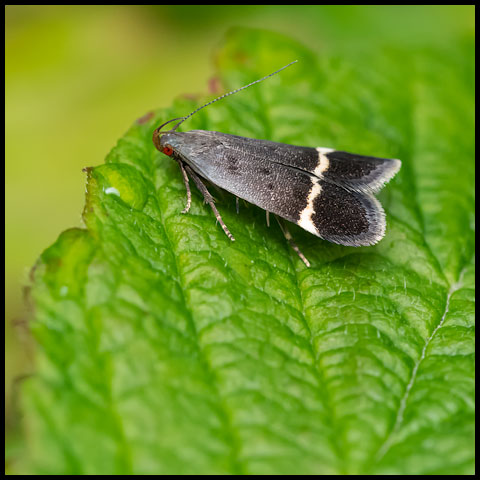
{"type": "Point", "coordinates": [237, 205]}
{"type": "Point", "coordinates": [187, 186]}
{"type": "Point", "coordinates": [267, 215]}
{"type": "Point", "coordinates": [289, 238]}
{"type": "Point", "coordinates": [209, 199]}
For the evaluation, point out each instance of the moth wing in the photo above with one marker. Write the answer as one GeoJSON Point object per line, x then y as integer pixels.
{"type": "Point", "coordinates": [359, 173]}
{"type": "Point", "coordinates": [286, 180]}
{"type": "Point", "coordinates": [355, 172]}
{"type": "Point", "coordinates": [327, 210]}
{"type": "Point", "coordinates": [343, 216]}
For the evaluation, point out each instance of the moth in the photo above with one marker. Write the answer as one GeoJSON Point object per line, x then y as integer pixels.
{"type": "Point", "coordinates": [330, 193]}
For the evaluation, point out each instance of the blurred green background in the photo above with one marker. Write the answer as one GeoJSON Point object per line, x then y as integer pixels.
{"type": "Point", "coordinates": [78, 76]}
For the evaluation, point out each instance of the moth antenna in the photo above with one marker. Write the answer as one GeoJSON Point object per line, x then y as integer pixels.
{"type": "Point", "coordinates": [230, 93]}
{"type": "Point", "coordinates": [166, 123]}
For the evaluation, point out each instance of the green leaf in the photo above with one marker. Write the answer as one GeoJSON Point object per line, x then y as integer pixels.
{"type": "Point", "coordinates": [164, 348]}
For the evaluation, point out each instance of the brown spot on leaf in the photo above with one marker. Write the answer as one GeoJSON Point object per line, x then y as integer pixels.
{"type": "Point", "coordinates": [145, 118]}
{"type": "Point", "coordinates": [215, 85]}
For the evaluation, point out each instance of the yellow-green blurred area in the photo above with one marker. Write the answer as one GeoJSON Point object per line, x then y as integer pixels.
{"type": "Point", "coordinates": [78, 76]}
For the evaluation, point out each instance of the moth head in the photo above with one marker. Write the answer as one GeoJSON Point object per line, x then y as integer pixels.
{"type": "Point", "coordinates": [167, 143]}
{"type": "Point", "coordinates": [160, 139]}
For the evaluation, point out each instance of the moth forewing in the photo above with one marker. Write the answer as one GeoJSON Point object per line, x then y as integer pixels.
{"type": "Point", "coordinates": [322, 193]}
